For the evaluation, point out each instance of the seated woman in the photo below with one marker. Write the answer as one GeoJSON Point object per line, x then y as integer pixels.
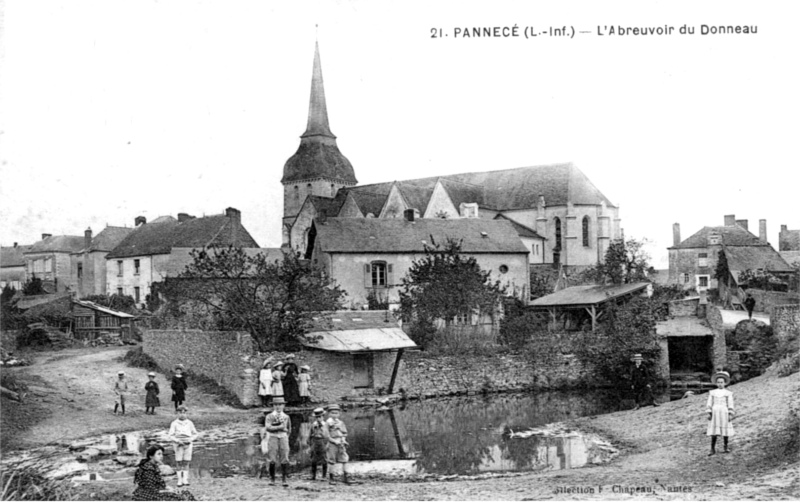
{"type": "Point", "coordinates": [151, 485]}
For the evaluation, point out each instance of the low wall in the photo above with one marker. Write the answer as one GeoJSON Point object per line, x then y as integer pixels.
{"type": "Point", "coordinates": [684, 308]}
{"type": "Point", "coordinates": [224, 356]}
{"type": "Point", "coordinates": [785, 322]}
{"type": "Point", "coordinates": [766, 301]}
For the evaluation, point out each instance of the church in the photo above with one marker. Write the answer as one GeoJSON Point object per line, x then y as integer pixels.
{"type": "Point", "coordinates": [558, 213]}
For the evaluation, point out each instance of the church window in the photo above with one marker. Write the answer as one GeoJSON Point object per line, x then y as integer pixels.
{"type": "Point", "coordinates": [558, 233]}
{"type": "Point", "coordinates": [586, 231]}
{"type": "Point", "coordinates": [333, 190]}
{"type": "Point", "coordinates": [308, 188]}
{"type": "Point", "coordinates": [296, 192]}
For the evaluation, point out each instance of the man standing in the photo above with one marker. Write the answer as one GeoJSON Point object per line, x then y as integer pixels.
{"type": "Point", "coordinates": [640, 383]}
{"type": "Point", "coordinates": [750, 304]}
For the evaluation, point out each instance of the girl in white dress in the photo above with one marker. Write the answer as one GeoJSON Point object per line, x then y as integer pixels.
{"type": "Point", "coordinates": [265, 383]}
{"type": "Point", "coordinates": [277, 379]}
{"type": "Point", "coordinates": [304, 383]}
{"type": "Point", "coordinates": [720, 411]}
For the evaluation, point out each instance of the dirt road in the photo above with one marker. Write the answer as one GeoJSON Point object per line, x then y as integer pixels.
{"type": "Point", "coordinates": [663, 450]}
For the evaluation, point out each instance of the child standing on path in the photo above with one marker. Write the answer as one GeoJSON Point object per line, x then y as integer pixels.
{"type": "Point", "coordinates": [151, 399]}
{"type": "Point", "coordinates": [179, 386]}
{"type": "Point", "coordinates": [304, 383]}
{"type": "Point", "coordinates": [120, 391]}
{"type": "Point", "coordinates": [278, 426]}
{"type": "Point", "coordinates": [337, 444]}
{"type": "Point", "coordinates": [182, 433]}
{"type": "Point", "coordinates": [720, 411]}
{"type": "Point", "coordinates": [265, 384]}
{"type": "Point", "coordinates": [318, 443]}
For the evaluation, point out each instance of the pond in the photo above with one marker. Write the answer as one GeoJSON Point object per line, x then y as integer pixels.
{"type": "Point", "coordinates": [463, 436]}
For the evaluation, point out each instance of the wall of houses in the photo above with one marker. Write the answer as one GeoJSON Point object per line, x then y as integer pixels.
{"type": "Point", "coordinates": [12, 276]}
{"type": "Point", "coordinates": [151, 269]}
{"type": "Point", "coordinates": [349, 272]}
{"type": "Point", "coordinates": [58, 269]}
{"type": "Point", "coordinates": [93, 279]}
{"type": "Point", "coordinates": [225, 356]}
{"type": "Point", "coordinates": [687, 261]}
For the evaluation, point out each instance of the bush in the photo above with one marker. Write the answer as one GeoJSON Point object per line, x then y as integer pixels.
{"type": "Point", "coordinates": [136, 358]}
{"type": "Point", "coordinates": [28, 483]}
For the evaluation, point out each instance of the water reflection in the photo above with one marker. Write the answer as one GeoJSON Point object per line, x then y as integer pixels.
{"type": "Point", "coordinates": [446, 436]}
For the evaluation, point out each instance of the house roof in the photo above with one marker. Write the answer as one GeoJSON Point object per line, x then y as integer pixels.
{"type": "Point", "coordinates": [159, 238]}
{"type": "Point", "coordinates": [732, 235]}
{"type": "Point", "coordinates": [587, 295]}
{"type": "Point", "coordinates": [180, 258]}
{"type": "Point", "coordinates": [108, 239]}
{"type": "Point", "coordinates": [58, 244]}
{"type": "Point", "coordinates": [789, 240]}
{"type": "Point", "coordinates": [755, 257]}
{"type": "Point", "coordinates": [370, 198]}
{"type": "Point", "coordinates": [27, 302]}
{"type": "Point", "coordinates": [100, 308]}
{"type": "Point", "coordinates": [521, 229]}
{"type": "Point", "coordinates": [377, 235]}
{"type": "Point", "coordinates": [359, 331]}
{"type": "Point", "coordinates": [12, 256]}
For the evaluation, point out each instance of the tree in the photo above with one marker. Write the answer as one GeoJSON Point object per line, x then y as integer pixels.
{"type": "Point", "coordinates": [722, 272]}
{"type": "Point", "coordinates": [444, 285]}
{"type": "Point", "coordinates": [33, 287]}
{"type": "Point", "coordinates": [625, 261]}
{"type": "Point", "coordinates": [761, 279]}
{"type": "Point", "coordinates": [275, 301]}
{"type": "Point", "coordinates": [10, 316]}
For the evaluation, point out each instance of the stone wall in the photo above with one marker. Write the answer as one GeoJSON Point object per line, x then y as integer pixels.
{"type": "Point", "coordinates": [8, 340]}
{"type": "Point", "coordinates": [785, 322]}
{"type": "Point", "coordinates": [684, 308]}
{"type": "Point", "coordinates": [224, 356]}
{"type": "Point", "coordinates": [714, 318]}
{"type": "Point", "coordinates": [767, 300]}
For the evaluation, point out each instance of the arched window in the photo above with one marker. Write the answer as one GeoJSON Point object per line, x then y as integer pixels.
{"type": "Point", "coordinates": [557, 245]}
{"type": "Point", "coordinates": [296, 192]}
{"type": "Point", "coordinates": [586, 231]}
{"type": "Point", "coordinates": [308, 188]}
{"type": "Point", "coordinates": [333, 190]}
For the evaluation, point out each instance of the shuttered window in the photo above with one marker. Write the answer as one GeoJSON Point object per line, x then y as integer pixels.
{"type": "Point", "coordinates": [378, 274]}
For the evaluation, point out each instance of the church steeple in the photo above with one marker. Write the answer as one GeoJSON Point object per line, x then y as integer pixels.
{"type": "Point", "coordinates": [317, 108]}
{"type": "Point", "coordinates": [318, 156]}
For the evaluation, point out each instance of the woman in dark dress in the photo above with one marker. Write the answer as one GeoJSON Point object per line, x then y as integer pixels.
{"type": "Point", "coordinates": [150, 484]}
{"type": "Point", "coordinates": [179, 386]}
{"type": "Point", "coordinates": [291, 390]}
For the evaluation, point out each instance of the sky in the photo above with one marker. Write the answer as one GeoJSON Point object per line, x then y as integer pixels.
{"type": "Point", "coordinates": [114, 109]}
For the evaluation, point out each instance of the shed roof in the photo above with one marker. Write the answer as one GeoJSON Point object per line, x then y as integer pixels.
{"type": "Point", "coordinates": [379, 235]}
{"type": "Point", "coordinates": [741, 258]}
{"type": "Point", "coordinates": [100, 308]}
{"type": "Point", "coordinates": [587, 295]}
{"type": "Point", "coordinates": [359, 331]}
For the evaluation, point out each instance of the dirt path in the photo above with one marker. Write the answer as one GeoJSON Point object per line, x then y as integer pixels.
{"type": "Point", "coordinates": [70, 395]}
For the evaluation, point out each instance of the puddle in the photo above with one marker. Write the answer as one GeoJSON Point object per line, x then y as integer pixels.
{"type": "Point", "coordinates": [463, 436]}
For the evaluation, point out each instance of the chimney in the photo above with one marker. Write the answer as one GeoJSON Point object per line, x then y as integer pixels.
{"type": "Point", "coordinates": [139, 220]}
{"type": "Point", "coordinates": [762, 230]}
{"type": "Point", "coordinates": [730, 220]}
{"type": "Point", "coordinates": [410, 214]}
{"type": "Point", "coordinates": [236, 221]}
{"type": "Point", "coordinates": [87, 239]}
{"type": "Point", "coordinates": [15, 244]}
{"type": "Point", "coordinates": [676, 234]}
{"type": "Point", "coordinates": [233, 213]}
{"type": "Point", "coordinates": [185, 217]}
{"type": "Point", "coordinates": [45, 236]}
{"type": "Point", "coordinates": [322, 217]}
{"type": "Point", "coordinates": [784, 228]}
{"type": "Point", "coordinates": [742, 223]}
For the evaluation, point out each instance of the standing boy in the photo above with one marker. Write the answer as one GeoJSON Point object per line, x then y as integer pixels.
{"type": "Point", "coordinates": [318, 443]}
{"type": "Point", "coordinates": [120, 391]}
{"type": "Point", "coordinates": [337, 443]}
{"type": "Point", "coordinates": [179, 386]}
{"type": "Point", "coordinates": [640, 383]}
{"type": "Point", "coordinates": [278, 425]}
{"type": "Point", "coordinates": [182, 433]}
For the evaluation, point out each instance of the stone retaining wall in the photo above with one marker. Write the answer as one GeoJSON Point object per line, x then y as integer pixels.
{"type": "Point", "coordinates": [785, 322]}
{"type": "Point", "coordinates": [766, 301]}
{"type": "Point", "coordinates": [224, 356]}
{"type": "Point", "coordinates": [8, 339]}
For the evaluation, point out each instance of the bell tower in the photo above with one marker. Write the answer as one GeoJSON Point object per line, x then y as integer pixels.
{"type": "Point", "coordinates": [318, 167]}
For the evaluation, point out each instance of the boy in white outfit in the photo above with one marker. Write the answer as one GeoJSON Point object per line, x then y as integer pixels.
{"type": "Point", "coordinates": [182, 433]}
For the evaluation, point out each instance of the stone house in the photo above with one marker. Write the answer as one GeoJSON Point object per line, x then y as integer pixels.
{"type": "Point", "coordinates": [49, 260]}
{"type": "Point", "coordinates": [693, 261]}
{"type": "Point", "coordinates": [148, 253]}
{"type": "Point", "coordinates": [556, 206]}
{"type": "Point", "coordinates": [789, 245]}
{"type": "Point", "coordinates": [371, 255]}
{"type": "Point", "coordinates": [88, 266]}
{"type": "Point", "coordinates": [12, 266]}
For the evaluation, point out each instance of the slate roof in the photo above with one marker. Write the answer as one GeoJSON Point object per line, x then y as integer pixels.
{"type": "Point", "coordinates": [741, 258]}
{"type": "Point", "coordinates": [12, 256]}
{"type": "Point", "coordinates": [58, 244]}
{"type": "Point", "coordinates": [789, 240]}
{"type": "Point", "coordinates": [461, 192]}
{"type": "Point", "coordinates": [330, 206]}
{"type": "Point", "coordinates": [733, 235]}
{"type": "Point", "coordinates": [370, 198]}
{"type": "Point", "coordinates": [159, 238]}
{"type": "Point", "coordinates": [100, 308]}
{"type": "Point", "coordinates": [587, 295]}
{"type": "Point", "coordinates": [521, 229]}
{"type": "Point", "coordinates": [379, 235]}
{"type": "Point", "coordinates": [108, 239]}
{"type": "Point", "coordinates": [179, 258]}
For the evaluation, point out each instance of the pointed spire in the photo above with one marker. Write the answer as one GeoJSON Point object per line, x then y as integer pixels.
{"type": "Point", "coordinates": [317, 108]}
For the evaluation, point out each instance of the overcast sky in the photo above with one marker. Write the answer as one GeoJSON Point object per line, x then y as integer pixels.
{"type": "Point", "coordinates": [113, 109]}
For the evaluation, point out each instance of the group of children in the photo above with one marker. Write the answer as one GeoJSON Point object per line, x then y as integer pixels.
{"type": "Point", "coordinates": [327, 442]}
{"type": "Point", "coordinates": [151, 400]}
{"type": "Point", "coordinates": [278, 379]}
